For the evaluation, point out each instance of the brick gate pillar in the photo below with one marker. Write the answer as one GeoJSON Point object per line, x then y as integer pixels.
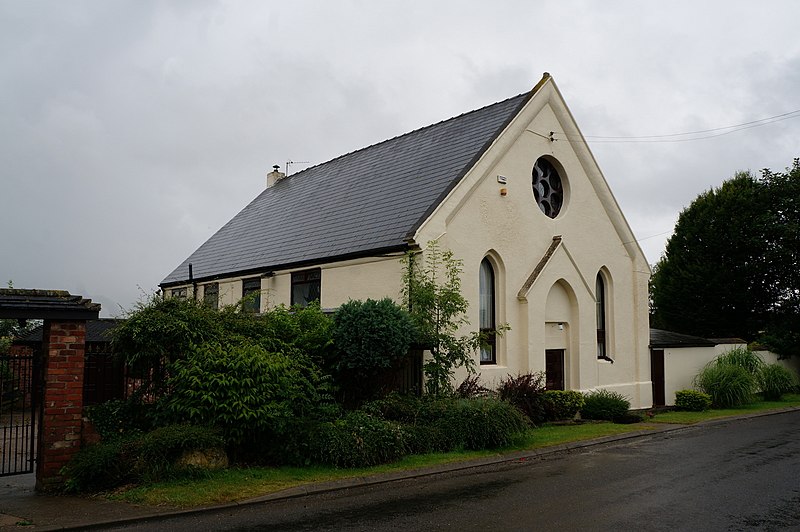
{"type": "Point", "coordinates": [63, 346]}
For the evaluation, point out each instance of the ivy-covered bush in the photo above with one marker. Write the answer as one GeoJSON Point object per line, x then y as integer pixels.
{"type": "Point", "coordinates": [526, 392]}
{"type": "Point", "coordinates": [692, 400]}
{"type": "Point", "coordinates": [775, 380]}
{"type": "Point", "coordinates": [371, 339]}
{"type": "Point", "coordinates": [358, 439]}
{"type": "Point", "coordinates": [561, 405]}
{"type": "Point", "coordinates": [244, 390]}
{"type": "Point", "coordinates": [603, 404]}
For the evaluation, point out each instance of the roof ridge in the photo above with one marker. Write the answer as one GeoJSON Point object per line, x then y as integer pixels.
{"type": "Point", "coordinates": [412, 132]}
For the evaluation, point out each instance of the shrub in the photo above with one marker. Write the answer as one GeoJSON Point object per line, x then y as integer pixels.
{"type": "Point", "coordinates": [357, 440]}
{"type": "Point", "coordinates": [692, 400]}
{"type": "Point", "coordinates": [742, 357]}
{"type": "Point", "coordinates": [775, 380]}
{"type": "Point", "coordinates": [561, 405]}
{"type": "Point", "coordinates": [397, 407]}
{"type": "Point", "coordinates": [526, 392]}
{"type": "Point", "coordinates": [163, 330]}
{"type": "Point", "coordinates": [471, 388]}
{"type": "Point", "coordinates": [605, 405]}
{"type": "Point", "coordinates": [160, 331]}
{"type": "Point", "coordinates": [371, 338]}
{"type": "Point", "coordinates": [101, 466]}
{"type": "Point", "coordinates": [158, 451]}
{"type": "Point", "coordinates": [731, 378]}
{"type": "Point", "coordinates": [478, 424]}
{"type": "Point", "coordinates": [151, 456]}
{"type": "Point", "coordinates": [728, 385]}
{"type": "Point", "coordinates": [441, 424]}
{"type": "Point", "coordinates": [117, 418]}
{"type": "Point", "coordinates": [242, 389]}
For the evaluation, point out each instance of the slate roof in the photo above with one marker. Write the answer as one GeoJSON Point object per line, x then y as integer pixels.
{"type": "Point", "coordinates": [368, 201]}
{"type": "Point", "coordinates": [662, 338]}
{"type": "Point", "coordinates": [45, 304]}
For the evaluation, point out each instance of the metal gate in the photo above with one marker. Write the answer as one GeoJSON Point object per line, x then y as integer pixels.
{"type": "Point", "coordinates": [19, 403]}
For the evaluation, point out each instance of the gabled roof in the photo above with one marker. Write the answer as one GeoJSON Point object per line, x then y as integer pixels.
{"type": "Point", "coordinates": [662, 338]}
{"type": "Point", "coordinates": [366, 202]}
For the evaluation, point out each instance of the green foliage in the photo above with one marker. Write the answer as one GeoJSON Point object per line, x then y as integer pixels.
{"type": "Point", "coordinates": [482, 423]}
{"type": "Point", "coordinates": [692, 400]}
{"type": "Point", "coordinates": [775, 380]}
{"type": "Point", "coordinates": [160, 331]}
{"type": "Point", "coordinates": [100, 467]}
{"type": "Point", "coordinates": [242, 389]}
{"type": "Point", "coordinates": [371, 339]}
{"type": "Point", "coordinates": [731, 378]}
{"type": "Point", "coordinates": [728, 385]}
{"type": "Point", "coordinates": [604, 405]}
{"type": "Point", "coordinates": [561, 405]}
{"type": "Point", "coordinates": [742, 357]}
{"type": "Point", "coordinates": [471, 388]}
{"type": "Point", "coordinates": [134, 458]}
{"type": "Point", "coordinates": [432, 294]}
{"type": "Point", "coordinates": [744, 234]}
{"type": "Point", "coordinates": [526, 392]}
{"type": "Point", "coordinates": [119, 419]}
{"type": "Point", "coordinates": [444, 424]}
{"type": "Point", "coordinates": [358, 440]}
{"type": "Point", "coordinates": [158, 451]}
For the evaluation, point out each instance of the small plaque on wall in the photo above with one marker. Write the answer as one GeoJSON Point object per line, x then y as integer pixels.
{"type": "Point", "coordinates": [502, 179]}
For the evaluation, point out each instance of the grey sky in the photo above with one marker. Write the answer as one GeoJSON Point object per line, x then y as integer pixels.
{"type": "Point", "coordinates": [132, 130]}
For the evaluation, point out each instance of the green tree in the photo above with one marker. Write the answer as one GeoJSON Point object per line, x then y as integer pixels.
{"type": "Point", "coordinates": [371, 339]}
{"type": "Point", "coordinates": [432, 295]}
{"type": "Point", "coordinates": [730, 268]}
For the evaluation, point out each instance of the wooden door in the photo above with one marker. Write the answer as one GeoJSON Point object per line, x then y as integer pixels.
{"type": "Point", "coordinates": [554, 369]}
{"type": "Point", "coordinates": [657, 376]}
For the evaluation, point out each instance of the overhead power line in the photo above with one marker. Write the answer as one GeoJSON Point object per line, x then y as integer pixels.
{"type": "Point", "coordinates": [682, 137]}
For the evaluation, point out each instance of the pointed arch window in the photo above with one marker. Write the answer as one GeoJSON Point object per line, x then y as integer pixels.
{"type": "Point", "coordinates": [600, 302]}
{"type": "Point", "coordinates": [487, 312]}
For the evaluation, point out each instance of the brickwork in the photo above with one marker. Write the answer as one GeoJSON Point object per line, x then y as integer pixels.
{"type": "Point", "coordinates": [62, 408]}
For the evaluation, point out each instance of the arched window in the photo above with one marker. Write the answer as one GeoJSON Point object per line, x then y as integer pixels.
{"type": "Point", "coordinates": [487, 312]}
{"type": "Point", "coordinates": [600, 302]}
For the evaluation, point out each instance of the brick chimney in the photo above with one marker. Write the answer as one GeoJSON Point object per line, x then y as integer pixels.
{"type": "Point", "coordinates": [274, 176]}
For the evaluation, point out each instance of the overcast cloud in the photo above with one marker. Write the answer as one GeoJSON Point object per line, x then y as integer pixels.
{"type": "Point", "coordinates": [132, 130]}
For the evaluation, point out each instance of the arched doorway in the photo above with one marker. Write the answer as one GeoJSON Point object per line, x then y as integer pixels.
{"type": "Point", "coordinates": [560, 320]}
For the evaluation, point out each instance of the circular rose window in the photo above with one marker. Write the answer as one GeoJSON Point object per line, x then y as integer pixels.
{"type": "Point", "coordinates": [547, 188]}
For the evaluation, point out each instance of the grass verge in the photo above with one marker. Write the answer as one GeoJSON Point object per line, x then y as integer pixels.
{"type": "Point", "coordinates": [243, 483]}
{"type": "Point", "coordinates": [689, 418]}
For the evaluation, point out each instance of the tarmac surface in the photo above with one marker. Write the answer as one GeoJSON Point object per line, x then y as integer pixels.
{"type": "Point", "coordinates": [21, 508]}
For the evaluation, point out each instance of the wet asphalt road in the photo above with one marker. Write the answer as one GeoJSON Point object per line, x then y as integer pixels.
{"type": "Point", "coordinates": [738, 475]}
